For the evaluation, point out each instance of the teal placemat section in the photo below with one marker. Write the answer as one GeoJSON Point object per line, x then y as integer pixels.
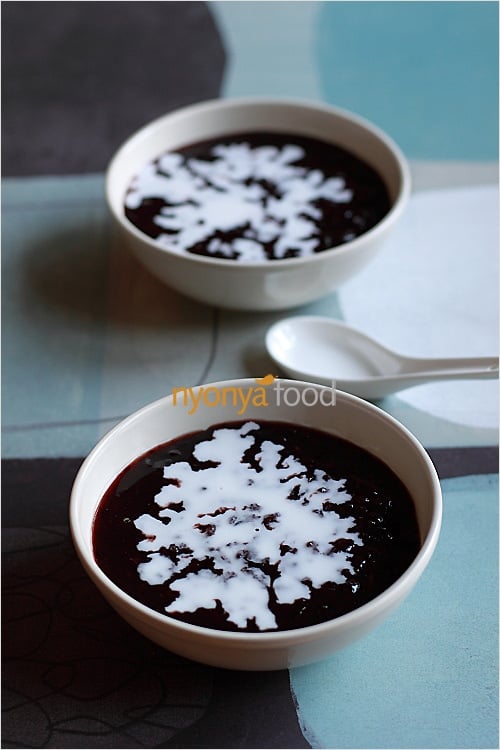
{"type": "Point", "coordinates": [55, 257]}
{"type": "Point", "coordinates": [427, 678]}
{"type": "Point", "coordinates": [425, 71]}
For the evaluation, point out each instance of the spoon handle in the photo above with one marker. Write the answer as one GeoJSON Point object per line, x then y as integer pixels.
{"type": "Point", "coordinates": [450, 368]}
{"type": "Point", "coordinates": [422, 371]}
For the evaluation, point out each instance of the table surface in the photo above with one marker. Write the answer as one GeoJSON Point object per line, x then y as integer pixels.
{"type": "Point", "coordinates": [89, 336]}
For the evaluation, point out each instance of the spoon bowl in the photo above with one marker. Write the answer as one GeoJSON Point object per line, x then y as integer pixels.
{"type": "Point", "coordinates": [323, 350]}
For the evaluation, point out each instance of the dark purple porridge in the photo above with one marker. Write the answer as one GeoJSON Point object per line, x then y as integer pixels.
{"type": "Point", "coordinates": [256, 196]}
{"type": "Point", "coordinates": [255, 526]}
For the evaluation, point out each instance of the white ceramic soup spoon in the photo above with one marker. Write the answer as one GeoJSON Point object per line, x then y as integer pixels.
{"type": "Point", "coordinates": [322, 350]}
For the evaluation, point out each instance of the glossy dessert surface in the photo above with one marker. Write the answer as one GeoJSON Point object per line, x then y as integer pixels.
{"type": "Point", "coordinates": [256, 196]}
{"type": "Point", "coordinates": [255, 526]}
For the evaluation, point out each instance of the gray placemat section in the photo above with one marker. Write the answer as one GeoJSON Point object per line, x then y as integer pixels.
{"type": "Point", "coordinates": [79, 77]}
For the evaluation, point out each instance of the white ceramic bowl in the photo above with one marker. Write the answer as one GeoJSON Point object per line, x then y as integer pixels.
{"type": "Point", "coordinates": [264, 285]}
{"type": "Point", "coordinates": [351, 418]}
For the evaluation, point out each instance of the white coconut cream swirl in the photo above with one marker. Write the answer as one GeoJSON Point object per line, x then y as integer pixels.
{"type": "Point", "coordinates": [233, 517]}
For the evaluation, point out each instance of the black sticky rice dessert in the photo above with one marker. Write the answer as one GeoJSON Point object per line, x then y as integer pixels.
{"type": "Point", "coordinates": [256, 196]}
{"type": "Point", "coordinates": [255, 526]}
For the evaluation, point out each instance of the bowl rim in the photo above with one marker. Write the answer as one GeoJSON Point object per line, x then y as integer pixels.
{"type": "Point", "coordinates": [198, 109]}
{"type": "Point", "coordinates": [266, 639]}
